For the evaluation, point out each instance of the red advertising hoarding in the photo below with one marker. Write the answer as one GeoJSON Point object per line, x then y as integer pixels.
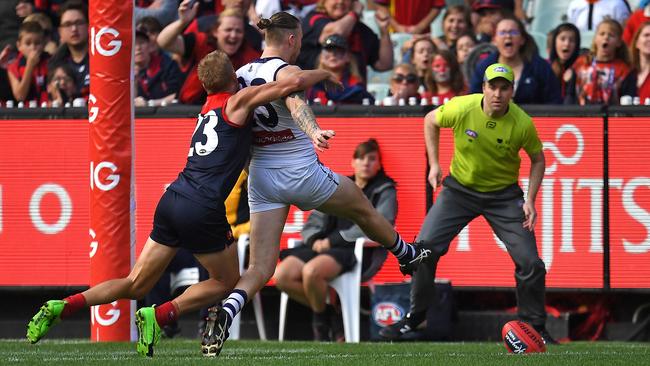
{"type": "Point", "coordinates": [570, 204]}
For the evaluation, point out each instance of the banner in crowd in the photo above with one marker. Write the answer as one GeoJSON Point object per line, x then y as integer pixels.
{"type": "Point", "coordinates": [44, 206]}
{"type": "Point", "coordinates": [110, 153]}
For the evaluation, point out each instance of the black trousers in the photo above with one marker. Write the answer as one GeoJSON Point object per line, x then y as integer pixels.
{"type": "Point", "coordinates": [454, 208]}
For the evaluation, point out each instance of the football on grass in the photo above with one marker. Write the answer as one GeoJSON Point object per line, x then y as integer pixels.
{"type": "Point", "coordinates": [520, 337]}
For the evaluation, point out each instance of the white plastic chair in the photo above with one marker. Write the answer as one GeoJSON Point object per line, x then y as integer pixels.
{"type": "Point", "coordinates": [242, 245]}
{"type": "Point", "coordinates": [348, 287]}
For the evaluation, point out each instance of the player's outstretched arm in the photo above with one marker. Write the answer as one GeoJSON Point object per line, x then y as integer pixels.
{"type": "Point", "coordinates": [246, 100]}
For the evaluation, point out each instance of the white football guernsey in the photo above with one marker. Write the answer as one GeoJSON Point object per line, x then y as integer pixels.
{"type": "Point", "coordinates": [277, 140]}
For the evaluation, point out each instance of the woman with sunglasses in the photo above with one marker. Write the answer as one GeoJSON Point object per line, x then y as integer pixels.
{"type": "Point", "coordinates": [337, 59]}
{"type": "Point", "coordinates": [404, 83]}
{"type": "Point", "coordinates": [535, 82]}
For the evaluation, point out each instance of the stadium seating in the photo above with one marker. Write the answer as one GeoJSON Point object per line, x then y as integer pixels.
{"type": "Point", "coordinates": [347, 286]}
{"type": "Point", "coordinates": [242, 246]}
{"type": "Point", "coordinates": [378, 90]}
{"type": "Point", "coordinates": [548, 14]}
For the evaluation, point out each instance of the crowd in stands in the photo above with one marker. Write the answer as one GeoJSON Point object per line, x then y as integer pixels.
{"type": "Point", "coordinates": [385, 52]}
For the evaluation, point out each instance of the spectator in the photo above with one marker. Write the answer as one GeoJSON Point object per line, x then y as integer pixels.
{"type": "Point", "coordinates": [455, 23]}
{"type": "Point", "coordinates": [535, 82]}
{"type": "Point", "coordinates": [46, 23]}
{"type": "Point", "coordinates": [414, 16]}
{"type": "Point", "coordinates": [157, 76]}
{"type": "Point", "coordinates": [586, 14]}
{"type": "Point", "coordinates": [464, 46]}
{"type": "Point", "coordinates": [24, 8]}
{"type": "Point", "coordinates": [342, 17]}
{"type": "Point", "coordinates": [9, 24]}
{"type": "Point", "coordinates": [162, 10]}
{"type": "Point", "coordinates": [600, 72]}
{"type": "Point", "coordinates": [61, 87]}
{"type": "Point", "coordinates": [514, 7]}
{"type": "Point", "coordinates": [487, 13]}
{"type": "Point", "coordinates": [564, 50]}
{"type": "Point", "coordinates": [445, 80]}
{"type": "Point", "coordinates": [227, 35]}
{"type": "Point", "coordinates": [640, 16]}
{"type": "Point", "coordinates": [336, 58]}
{"type": "Point", "coordinates": [152, 28]}
{"type": "Point", "coordinates": [421, 58]}
{"type": "Point", "coordinates": [328, 241]}
{"type": "Point", "coordinates": [637, 83]}
{"type": "Point", "coordinates": [208, 16]}
{"type": "Point", "coordinates": [73, 34]}
{"type": "Point", "coordinates": [404, 83]}
{"type": "Point", "coordinates": [28, 72]}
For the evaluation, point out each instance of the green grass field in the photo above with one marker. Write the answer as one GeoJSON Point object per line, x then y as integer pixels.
{"type": "Point", "coordinates": [187, 352]}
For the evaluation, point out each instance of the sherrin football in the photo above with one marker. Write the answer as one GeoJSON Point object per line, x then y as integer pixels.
{"type": "Point", "coordinates": [520, 337]}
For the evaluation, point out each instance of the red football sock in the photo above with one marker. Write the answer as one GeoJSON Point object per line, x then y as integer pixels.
{"type": "Point", "coordinates": [166, 313]}
{"type": "Point", "coordinates": [73, 304]}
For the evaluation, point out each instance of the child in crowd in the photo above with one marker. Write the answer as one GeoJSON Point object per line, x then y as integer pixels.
{"type": "Point", "coordinates": [61, 85]}
{"type": "Point", "coordinates": [421, 58]}
{"type": "Point", "coordinates": [445, 80]}
{"type": "Point", "coordinates": [28, 72]}
{"type": "Point", "coordinates": [336, 58]}
{"type": "Point", "coordinates": [464, 46]}
{"type": "Point", "coordinates": [637, 83]}
{"type": "Point", "coordinates": [564, 50]}
{"type": "Point", "coordinates": [599, 73]}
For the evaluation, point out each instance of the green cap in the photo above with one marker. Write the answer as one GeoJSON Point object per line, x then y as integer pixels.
{"type": "Point", "coordinates": [498, 71]}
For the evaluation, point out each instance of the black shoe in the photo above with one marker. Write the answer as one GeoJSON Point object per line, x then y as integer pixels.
{"type": "Point", "coordinates": [407, 325]}
{"type": "Point", "coordinates": [546, 336]}
{"type": "Point", "coordinates": [408, 266]}
{"type": "Point", "coordinates": [320, 325]}
{"type": "Point", "coordinates": [215, 332]}
{"type": "Point", "coordinates": [336, 324]}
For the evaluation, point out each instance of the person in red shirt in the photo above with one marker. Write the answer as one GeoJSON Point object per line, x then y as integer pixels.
{"type": "Point", "coordinates": [637, 83]}
{"type": "Point", "coordinates": [27, 74]}
{"type": "Point", "coordinates": [599, 74]}
{"type": "Point", "coordinates": [636, 19]}
{"type": "Point", "coordinates": [227, 35]}
{"type": "Point", "coordinates": [445, 80]}
{"type": "Point", "coordinates": [414, 16]}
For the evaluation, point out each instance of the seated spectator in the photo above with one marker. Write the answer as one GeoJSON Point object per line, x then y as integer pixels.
{"type": "Point", "coordinates": [564, 50]}
{"type": "Point", "coordinates": [61, 86]}
{"type": "Point", "coordinates": [535, 82]}
{"type": "Point", "coordinates": [421, 57]}
{"type": "Point", "coordinates": [9, 24]}
{"type": "Point", "coordinates": [46, 23]}
{"type": "Point", "coordinates": [73, 49]}
{"type": "Point", "coordinates": [157, 76]}
{"type": "Point", "coordinates": [152, 28]}
{"type": "Point", "coordinates": [586, 14]}
{"type": "Point", "coordinates": [227, 35]}
{"type": "Point", "coordinates": [464, 46]}
{"type": "Point", "coordinates": [28, 72]}
{"type": "Point", "coordinates": [445, 80]}
{"type": "Point", "coordinates": [455, 23]}
{"type": "Point", "coordinates": [328, 242]}
{"type": "Point", "coordinates": [209, 10]}
{"type": "Point", "coordinates": [404, 84]}
{"type": "Point", "coordinates": [599, 73]}
{"type": "Point", "coordinates": [487, 13]}
{"type": "Point", "coordinates": [513, 7]}
{"type": "Point", "coordinates": [637, 83]}
{"type": "Point", "coordinates": [414, 16]}
{"type": "Point", "coordinates": [342, 17]}
{"type": "Point", "coordinates": [638, 17]}
{"type": "Point", "coordinates": [335, 58]}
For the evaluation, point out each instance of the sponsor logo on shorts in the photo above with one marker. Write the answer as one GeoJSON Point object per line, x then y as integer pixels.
{"type": "Point", "coordinates": [387, 313]}
{"type": "Point", "coordinates": [263, 138]}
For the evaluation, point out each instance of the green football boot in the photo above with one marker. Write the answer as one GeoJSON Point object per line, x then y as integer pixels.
{"type": "Point", "coordinates": [47, 316]}
{"type": "Point", "coordinates": [148, 330]}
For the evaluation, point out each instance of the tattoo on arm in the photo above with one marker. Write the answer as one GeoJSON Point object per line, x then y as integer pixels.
{"type": "Point", "coordinates": [305, 119]}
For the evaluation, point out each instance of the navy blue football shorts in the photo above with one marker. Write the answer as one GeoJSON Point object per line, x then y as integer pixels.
{"type": "Point", "coordinates": [183, 223]}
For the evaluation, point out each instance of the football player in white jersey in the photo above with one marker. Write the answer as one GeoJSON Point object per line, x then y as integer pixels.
{"type": "Point", "coordinates": [284, 170]}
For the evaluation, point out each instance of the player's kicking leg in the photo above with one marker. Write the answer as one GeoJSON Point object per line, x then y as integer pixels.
{"type": "Point", "coordinates": [348, 201]}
